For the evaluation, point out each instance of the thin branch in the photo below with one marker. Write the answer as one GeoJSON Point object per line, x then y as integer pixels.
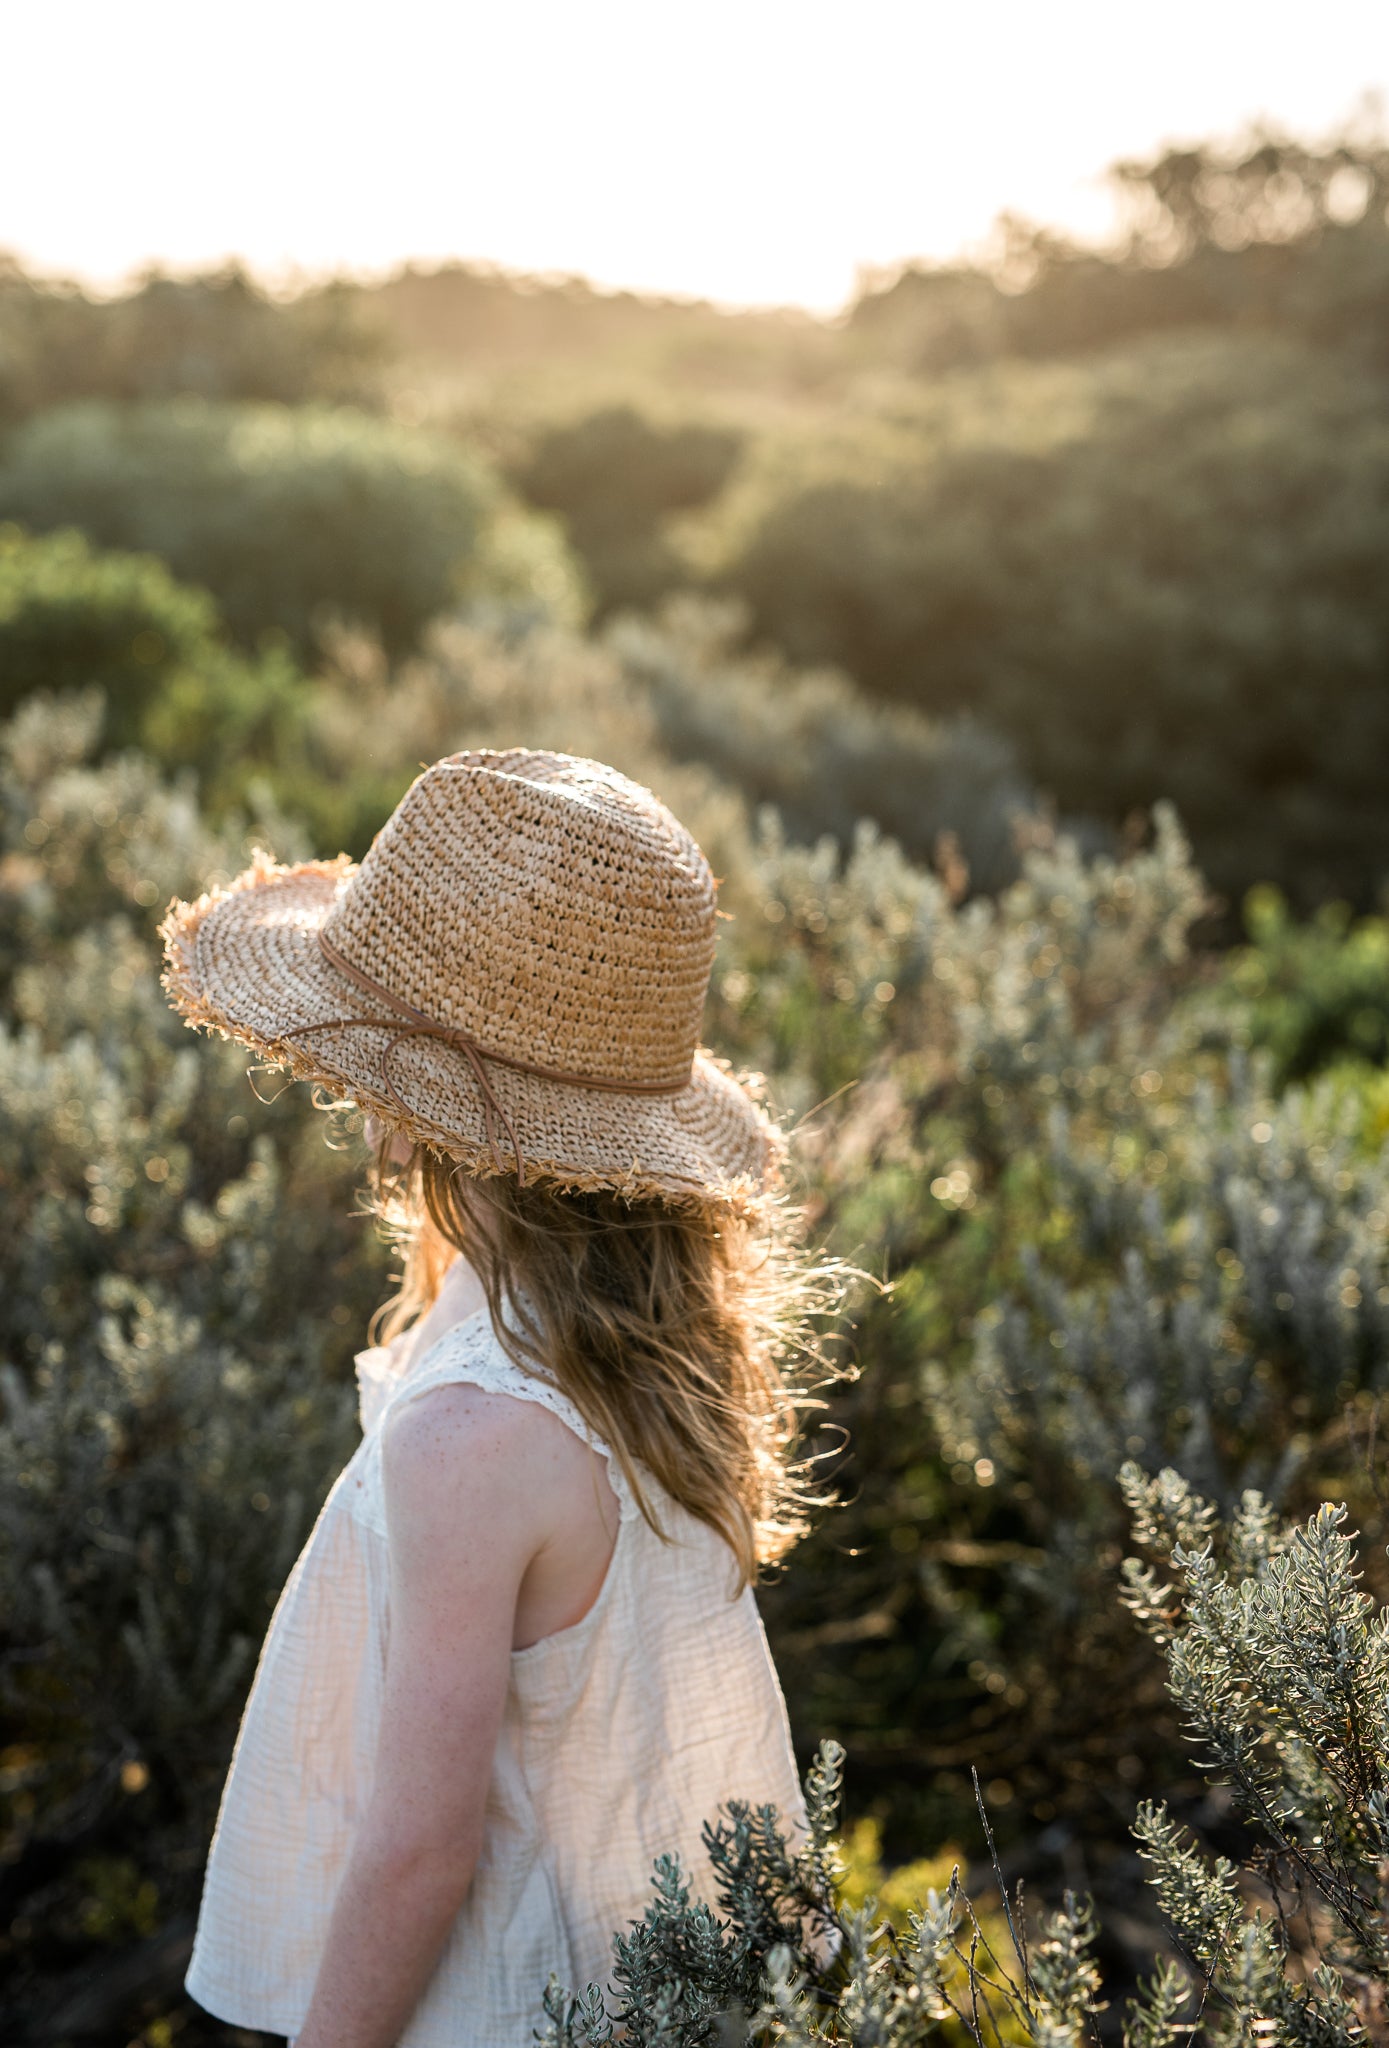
{"type": "Point", "coordinates": [1018, 1948]}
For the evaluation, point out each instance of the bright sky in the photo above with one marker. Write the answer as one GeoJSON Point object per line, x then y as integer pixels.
{"type": "Point", "coordinates": [752, 151]}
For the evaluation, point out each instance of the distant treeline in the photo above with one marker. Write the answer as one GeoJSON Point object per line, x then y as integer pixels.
{"type": "Point", "coordinates": [1275, 236]}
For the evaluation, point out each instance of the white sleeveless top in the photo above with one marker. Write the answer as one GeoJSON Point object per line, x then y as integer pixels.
{"type": "Point", "coordinates": [620, 1736]}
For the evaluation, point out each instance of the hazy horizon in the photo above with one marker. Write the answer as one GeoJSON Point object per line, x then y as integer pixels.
{"type": "Point", "coordinates": [763, 161]}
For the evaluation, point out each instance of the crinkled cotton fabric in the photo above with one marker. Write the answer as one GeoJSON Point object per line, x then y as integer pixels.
{"type": "Point", "coordinates": [620, 1736]}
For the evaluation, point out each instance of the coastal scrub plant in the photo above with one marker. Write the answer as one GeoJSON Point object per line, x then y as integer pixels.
{"type": "Point", "coordinates": [1111, 1233]}
{"type": "Point", "coordinates": [180, 1283]}
{"type": "Point", "coordinates": [1279, 1664]}
{"type": "Point", "coordinates": [1278, 1661]}
{"type": "Point", "coordinates": [786, 1959]}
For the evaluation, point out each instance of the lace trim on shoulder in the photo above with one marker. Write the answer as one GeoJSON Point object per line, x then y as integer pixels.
{"type": "Point", "coordinates": [472, 1353]}
{"type": "Point", "coordinates": [378, 1369]}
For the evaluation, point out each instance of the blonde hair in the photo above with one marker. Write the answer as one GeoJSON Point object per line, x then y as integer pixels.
{"type": "Point", "coordinates": [672, 1330]}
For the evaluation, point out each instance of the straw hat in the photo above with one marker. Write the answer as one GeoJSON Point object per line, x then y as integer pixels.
{"type": "Point", "coordinates": [514, 975]}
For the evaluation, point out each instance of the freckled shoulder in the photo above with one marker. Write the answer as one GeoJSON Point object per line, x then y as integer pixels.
{"type": "Point", "coordinates": [468, 1475]}
{"type": "Point", "coordinates": [459, 1422]}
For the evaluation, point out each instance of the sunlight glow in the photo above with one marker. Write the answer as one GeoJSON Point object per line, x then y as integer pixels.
{"type": "Point", "coordinates": [753, 152]}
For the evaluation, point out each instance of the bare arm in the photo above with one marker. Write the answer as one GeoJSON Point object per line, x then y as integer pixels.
{"type": "Point", "coordinates": [464, 1526]}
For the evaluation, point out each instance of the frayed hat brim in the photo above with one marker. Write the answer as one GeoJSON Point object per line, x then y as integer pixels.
{"type": "Point", "coordinates": [245, 961]}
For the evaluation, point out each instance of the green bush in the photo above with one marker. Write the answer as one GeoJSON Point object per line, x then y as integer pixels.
{"type": "Point", "coordinates": [75, 619]}
{"type": "Point", "coordinates": [667, 700]}
{"type": "Point", "coordinates": [476, 682]}
{"type": "Point", "coordinates": [289, 517]}
{"type": "Point", "coordinates": [181, 1293]}
{"type": "Point", "coordinates": [819, 751]}
{"type": "Point", "coordinates": [1277, 1661]}
{"type": "Point", "coordinates": [1110, 1237]}
{"type": "Point", "coordinates": [616, 477]}
{"type": "Point", "coordinates": [71, 619]}
{"type": "Point", "coordinates": [1314, 994]}
{"type": "Point", "coordinates": [1157, 575]}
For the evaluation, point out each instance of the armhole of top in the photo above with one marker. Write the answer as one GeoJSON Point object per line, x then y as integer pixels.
{"type": "Point", "coordinates": [471, 1354]}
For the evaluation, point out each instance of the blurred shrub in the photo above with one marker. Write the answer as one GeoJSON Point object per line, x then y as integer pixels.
{"type": "Point", "coordinates": [1109, 1238]}
{"type": "Point", "coordinates": [823, 754]}
{"type": "Point", "coordinates": [477, 681]}
{"type": "Point", "coordinates": [667, 700]}
{"type": "Point", "coordinates": [1157, 577]}
{"type": "Point", "coordinates": [520, 326]}
{"type": "Point", "coordinates": [289, 517]}
{"type": "Point", "coordinates": [216, 336]}
{"type": "Point", "coordinates": [1312, 993]}
{"type": "Point", "coordinates": [181, 1290]}
{"type": "Point", "coordinates": [74, 619]}
{"type": "Point", "coordinates": [70, 618]}
{"type": "Point", "coordinates": [616, 476]}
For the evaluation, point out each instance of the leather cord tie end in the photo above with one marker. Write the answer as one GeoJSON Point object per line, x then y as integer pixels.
{"type": "Point", "coordinates": [408, 1022]}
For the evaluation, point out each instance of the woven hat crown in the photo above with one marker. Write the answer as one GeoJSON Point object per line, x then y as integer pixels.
{"type": "Point", "coordinates": [544, 905]}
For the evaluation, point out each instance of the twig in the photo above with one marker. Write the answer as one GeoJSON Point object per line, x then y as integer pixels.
{"type": "Point", "coordinates": [1018, 1948]}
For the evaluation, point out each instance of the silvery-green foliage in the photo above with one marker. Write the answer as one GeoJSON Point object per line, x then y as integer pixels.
{"type": "Point", "coordinates": [1109, 1237]}
{"type": "Point", "coordinates": [138, 1542]}
{"type": "Point", "coordinates": [824, 1786]}
{"type": "Point", "coordinates": [1023, 999]}
{"type": "Point", "coordinates": [1199, 1895]}
{"type": "Point", "coordinates": [778, 1960]}
{"type": "Point", "coordinates": [1215, 1308]}
{"type": "Point", "coordinates": [1253, 1270]}
{"type": "Point", "coordinates": [1152, 2018]}
{"type": "Point", "coordinates": [1057, 976]}
{"type": "Point", "coordinates": [1244, 1981]}
{"type": "Point", "coordinates": [684, 1965]}
{"type": "Point", "coordinates": [817, 748]}
{"type": "Point", "coordinates": [180, 1278]}
{"type": "Point", "coordinates": [900, 1997]}
{"type": "Point", "coordinates": [811, 980]}
{"type": "Point", "coordinates": [678, 1971]}
{"type": "Point", "coordinates": [720, 733]}
{"type": "Point", "coordinates": [1279, 1665]}
{"type": "Point", "coordinates": [1166, 1513]}
{"type": "Point", "coordinates": [1064, 1978]}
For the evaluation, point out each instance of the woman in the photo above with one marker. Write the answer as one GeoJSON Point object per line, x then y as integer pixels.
{"type": "Point", "coordinates": [519, 1656]}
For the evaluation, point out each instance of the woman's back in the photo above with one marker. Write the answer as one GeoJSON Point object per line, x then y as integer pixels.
{"type": "Point", "coordinates": [623, 1727]}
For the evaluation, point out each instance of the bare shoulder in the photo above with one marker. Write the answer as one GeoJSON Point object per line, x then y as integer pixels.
{"type": "Point", "coordinates": [463, 1473]}
{"type": "Point", "coordinates": [503, 1444]}
{"type": "Point", "coordinates": [493, 1500]}
{"type": "Point", "coordinates": [463, 1423]}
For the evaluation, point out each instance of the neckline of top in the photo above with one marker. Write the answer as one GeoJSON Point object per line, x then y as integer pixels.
{"type": "Point", "coordinates": [417, 1365]}
{"type": "Point", "coordinates": [402, 1337]}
